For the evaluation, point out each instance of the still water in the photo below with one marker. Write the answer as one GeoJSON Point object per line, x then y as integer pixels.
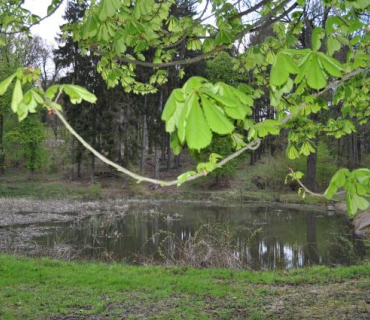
{"type": "Point", "coordinates": [273, 236]}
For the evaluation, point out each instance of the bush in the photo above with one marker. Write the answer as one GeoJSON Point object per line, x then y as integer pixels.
{"type": "Point", "coordinates": [270, 172]}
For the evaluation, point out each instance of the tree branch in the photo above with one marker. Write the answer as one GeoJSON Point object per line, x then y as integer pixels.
{"type": "Point", "coordinates": [262, 23]}
{"type": "Point", "coordinates": [36, 23]}
{"type": "Point", "coordinates": [251, 146]}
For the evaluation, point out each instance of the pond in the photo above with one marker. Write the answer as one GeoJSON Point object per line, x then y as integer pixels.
{"type": "Point", "coordinates": [258, 236]}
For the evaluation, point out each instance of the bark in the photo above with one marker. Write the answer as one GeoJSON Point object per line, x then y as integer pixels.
{"type": "Point", "coordinates": [92, 169]}
{"type": "Point", "coordinates": [79, 160]}
{"type": "Point", "coordinates": [169, 154]}
{"type": "Point", "coordinates": [156, 162]}
{"type": "Point", "coordinates": [311, 171]}
{"type": "Point", "coordinates": [179, 160]}
{"type": "Point", "coordinates": [2, 152]}
{"type": "Point", "coordinates": [359, 150]}
{"type": "Point", "coordinates": [143, 143]}
{"type": "Point", "coordinates": [351, 152]}
{"type": "Point", "coordinates": [72, 168]}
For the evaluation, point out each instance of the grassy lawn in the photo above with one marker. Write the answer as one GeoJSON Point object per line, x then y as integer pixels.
{"type": "Point", "coordinates": [49, 289]}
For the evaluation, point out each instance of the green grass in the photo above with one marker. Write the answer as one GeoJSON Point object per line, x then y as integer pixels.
{"type": "Point", "coordinates": [45, 288]}
{"type": "Point", "coordinates": [46, 190]}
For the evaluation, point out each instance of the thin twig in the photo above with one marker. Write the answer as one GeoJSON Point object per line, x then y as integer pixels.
{"type": "Point", "coordinates": [35, 23]}
{"type": "Point", "coordinates": [304, 187]}
{"type": "Point", "coordinates": [260, 24]}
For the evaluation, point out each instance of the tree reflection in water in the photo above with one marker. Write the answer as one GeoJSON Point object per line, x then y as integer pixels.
{"type": "Point", "coordinates": [287, 237]}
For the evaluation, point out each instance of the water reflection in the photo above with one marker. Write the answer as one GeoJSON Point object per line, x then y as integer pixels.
{"type": "Point", "coordinates": [287, 237]}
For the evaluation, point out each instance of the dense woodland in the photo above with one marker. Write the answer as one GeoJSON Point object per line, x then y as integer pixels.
{"type": "Point", "coordinates": [127, 127]}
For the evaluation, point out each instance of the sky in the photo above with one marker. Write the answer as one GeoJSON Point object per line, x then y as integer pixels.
{"type": "Point", "coordinates": [49, 28]}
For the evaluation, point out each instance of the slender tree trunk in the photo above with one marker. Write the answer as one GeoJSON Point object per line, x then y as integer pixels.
{"type": "Point", "coordinates": [179, 160]}
{"type": "Point", "coordinates": [2, 152]}
{"type": "Point", "coordinates": [351, 152]}
{"type": "Point", "coordinates": [156, 162]}
{"type": "Point", "coordinates": [359, 150]}
{"type": "Point", "coordinates": [72, 169]}
{"type": "Point", "coordinates": [92, 169]}
{"type": "Point", "coordinates": [252, 159]}
{"type": "Point", "coordinates": [79, 174]}
{"type": "Point", "coordinates": [311, 171]}
{"type": "Point", "coordinates": [169, 154]}
{"type": "Point", "coordinates": [143, 143]}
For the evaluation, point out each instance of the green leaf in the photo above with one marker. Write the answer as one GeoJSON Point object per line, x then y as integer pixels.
{"type": "Point", "coordinates": [175, 144]}
{"type": "Point", "coordinates": [266, 127]}
{"type": "Point", "coordinates": [306, 149]}
{"type": "Point", "coordinates": [53, 6]}
{"type": "Point", "coordinates": [17, 96]}
{"type": "Point", "coordinates": [292, 152]}
{"type": "Point", "coordinates": [170, 106]}
{"type": "Point", "coordinates": [242, 96]}
{"type": "Point", "coordinates": [142, 8]}
{"type": "Point", "coordinates": [183, 177]}
{"type": "Point", "coordinates": [333, 45]}
{"type": "Point", "coordinates": [216, 118]}
{"type": "Point", "coordinates": [330, 191]}
{"type": "Point", "coordinates": [351, 205]}
{"type": "Point", "coordinates": [304, 64]}
{"type": "Point", "coordinates": [223, 37]}
{"type": "Point", "coordinates": [238, 113]}
{"type": "Point", "coordinates": [51, 91]}
{"type": "Point", "coordinates": [108, 8]}
{"type": "Point", "coordinates": [332, 66]}
{"type": "Point", "coordinates": [317, 34]}
{"type": "Point", "coordinates": [339, 178]}
{"type": "Point", "coordinates": [282, 67]}
{"type": "Point", "coordinates": [238, 141]}
{"type": "Point", "coordinates": [5, 83]}
{"type": "Point", "coordinates": [198, 134]}
{"type": "Point", "coordinates": [194, 83]}
{"type": "Point", "coordinates": [316, 78]}
{"type": "Point", "coordinates": [361, 202]}
{"type": "Point", "coordinates": [194, 45]}
{"type": "Point", "coordinates": [77, 94]}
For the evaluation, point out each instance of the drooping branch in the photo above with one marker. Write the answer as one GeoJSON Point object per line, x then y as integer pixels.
{"type": "Point", "coordinates": [330, 86]}
{"type": "Point", "coordinates": [261, 23]}
{"type": "Point", "coordinates": [304, 187]}
{"type": "Point", "coordinates": [250, 146]}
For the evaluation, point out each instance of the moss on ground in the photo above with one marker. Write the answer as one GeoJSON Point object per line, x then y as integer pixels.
{"type": "Point", "coordinates": [49, 289]}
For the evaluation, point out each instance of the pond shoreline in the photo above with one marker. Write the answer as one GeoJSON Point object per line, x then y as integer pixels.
{"type": "Point", "coordinates": [30, 210]}
{"type": "Point", "coordinates": [70, 230]}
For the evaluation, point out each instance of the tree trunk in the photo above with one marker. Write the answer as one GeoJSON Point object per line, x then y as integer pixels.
{"type": "Point", "coordinates": [179, 160]}
{"type": "Point", "coordinates": [92, 169]}
{"type": "Point", "coordinates": [359, 150]}
{"type": "Point", "coordinates": [311, 171]}
{"type": "Point", "coordinates": [143, 143]}
{"type": "Point", "coordinates": [72, 168]}
{"type": "Point", "coordinates": [2, 152]}
{"type": "Point", "coordinates": [156, 162]}
{"type": "Point", "coordinates": [351, 152]}
{"type": "Point", "coordinates": [169, 154]}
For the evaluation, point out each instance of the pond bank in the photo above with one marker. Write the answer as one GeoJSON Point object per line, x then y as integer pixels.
{"type": "Point", "coordinates": [133, 231]}
{"type": "Point", "coordinates": [50, 289]}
